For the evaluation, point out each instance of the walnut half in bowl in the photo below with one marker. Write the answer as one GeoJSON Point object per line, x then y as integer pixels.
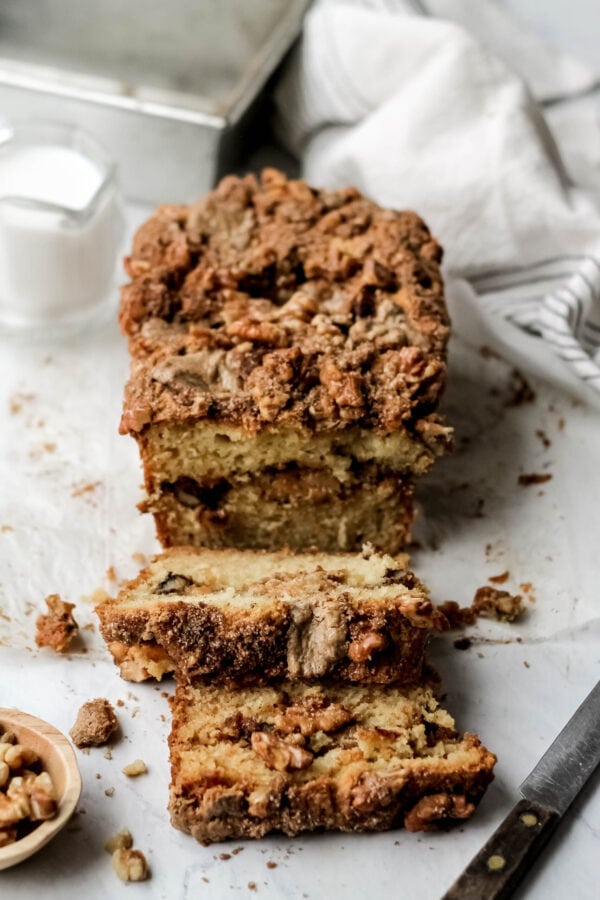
{"type": "Point", "coordinates": [50, 751]}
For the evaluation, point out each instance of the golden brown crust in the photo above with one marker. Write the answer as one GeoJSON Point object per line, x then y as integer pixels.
{"type": "Point", "coordinates": [378, 765]}
{"type": "Point", "coordinates": [305, 625]}
{"type": "Point", "coordinates": [271, 302]}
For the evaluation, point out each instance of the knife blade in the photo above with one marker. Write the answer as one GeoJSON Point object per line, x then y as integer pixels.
{"type": "Point", "coordinates": [547, 793]}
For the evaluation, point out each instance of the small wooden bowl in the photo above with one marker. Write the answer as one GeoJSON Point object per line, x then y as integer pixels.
{"type": "Point", "coordinates": [58, 759]}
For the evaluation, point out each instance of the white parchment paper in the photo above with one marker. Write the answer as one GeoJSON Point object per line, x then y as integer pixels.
{"type": "Point", "coordinates": [68, 492]}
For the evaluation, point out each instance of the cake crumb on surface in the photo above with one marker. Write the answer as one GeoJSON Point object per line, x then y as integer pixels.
{"type": "Point", "coordinates": [462, 644]}
{"type": "Point", "coordinates": [530, 478]}
{"type": "Point", "coordinates": [140, 558]}
{"type": "Point", "coordinates": [488, 603]}
{"type": "Point", "coordinates": [520, 391]}
{"type": "Point", "coordinates": [135, 768]}
{"type": "Point", "coordinates": [499, 579]}
{"type": "Point", "coordinates": [96, 722]}
{"type": "Point", "coordinates": [80, 490]}
{"type": "Point", "coordinates": [57, 628]}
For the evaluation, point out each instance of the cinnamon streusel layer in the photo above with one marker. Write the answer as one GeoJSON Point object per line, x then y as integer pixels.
{"type": "Point", "coordinates": [275, 325]}
{"type": "Point", "coordinates": [232, 614]}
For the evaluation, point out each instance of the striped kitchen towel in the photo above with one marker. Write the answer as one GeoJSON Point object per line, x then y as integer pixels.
{"type": "Point", "coordinates": [451, 108]}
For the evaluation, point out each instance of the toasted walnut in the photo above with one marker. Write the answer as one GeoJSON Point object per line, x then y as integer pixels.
{"type": "Point", "coordinates": [278, 754]}
{"type": "Point", "coordinates": [16, 756]}
{"type": "Point", "coordinates": [371, 792]}
{"type": "Point", "coordinates": [316, 637]}
{"type": "Point", "coordinates": [434, 807]}
{"type": "Point", "coordinates": [174, 584]}
{"type": "Point", "coordinates": [135, 768]}
{"type": "Point", "coordinates": [57, 628]}
{"type": "Point", "coordinates": [366, 645]}
{"type": "Point", "coordinates": [260, 802]}
{"type": "Point", "coordinates": [490, 602]}
{"type": "Point", "coordinates": [24, 794]}
{"type": "Point", "coordinates": [123, 840]}
{"type": "Point", "coordinates": [344, 388]}
{"type": "Point", "coordinates": [7, 836]}
{"type": "Point", "coordinates": [96, 722]}
{"type": "Point", "coordinates": [308, 718]}
{"type": "Point", "coordinates": [42, 797]}
{"type": "Point", "coordinates": [14, 808]}
{"type": "Point", "coordinates": [141, 661]}
{"type": "Point", "coordinates": [257, 332]}
{"type": "Point", "coordinates": [130, 865]}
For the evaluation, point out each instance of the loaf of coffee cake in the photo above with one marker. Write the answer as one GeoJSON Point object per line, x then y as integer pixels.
{"type": "Point", "coordinates": [296, 757]}
{"type": "Point", "coordinates": [261, 615]}
{"type": "Point", "coordinates": [289, 352]}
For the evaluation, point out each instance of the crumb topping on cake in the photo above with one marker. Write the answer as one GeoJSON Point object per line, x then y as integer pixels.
{"type": "Point", "coordinates": [270, 301]}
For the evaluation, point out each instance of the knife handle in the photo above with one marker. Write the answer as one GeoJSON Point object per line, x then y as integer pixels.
{"type": "Point", "coordinates": [503, 861]}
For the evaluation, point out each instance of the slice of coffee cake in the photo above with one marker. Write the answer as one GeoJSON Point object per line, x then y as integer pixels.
{"type": "Point", "coordinates": [289, 353]}
{"type": "Point", "coordinates": [296, 757]}
{"type": "Point", "coordinates": [260, 615]}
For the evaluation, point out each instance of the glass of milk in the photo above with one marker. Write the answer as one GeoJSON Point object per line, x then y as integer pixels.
{"type": "Point", "coordinates": [61, 227]}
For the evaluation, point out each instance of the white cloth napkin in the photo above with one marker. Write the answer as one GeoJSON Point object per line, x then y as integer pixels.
{"type": "Point", "coordinates": [422, 112]}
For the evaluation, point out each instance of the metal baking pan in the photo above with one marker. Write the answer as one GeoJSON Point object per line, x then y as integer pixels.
{"type": "Point", "coordinates": [169, 88]}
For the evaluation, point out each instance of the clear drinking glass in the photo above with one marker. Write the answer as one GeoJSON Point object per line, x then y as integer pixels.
{"type": "Point", "coordinates": [61, 227]}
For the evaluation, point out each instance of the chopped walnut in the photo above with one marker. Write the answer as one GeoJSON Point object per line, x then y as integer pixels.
{"type": "Point", "coordinates": [135, 768]}
{"type": "Point", "coordinates": [362, 649]}
{"type": "Point", "coordinates": [279, 754]}
{"type": "Point", "coordinates": [26, 796]}
{"type": "Point", "coordinates": [434, 807]}
{"type": "Point", "coordinates": [18, 757]}
{"type": "Point", "coordinates": [130, 865]}
{"type": "Point", "coordinates": [57, 628]}
{"type": "Point", "coordinates": [310, 717]}
{"type": "Point", "coordinates": [120, 841]}
{"type": "Point", "coordinates": [490, 602]}
{"type": "Point", "coordinates": [96, 722]}
{"type": "Point", "coordinates": [7, 836]}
